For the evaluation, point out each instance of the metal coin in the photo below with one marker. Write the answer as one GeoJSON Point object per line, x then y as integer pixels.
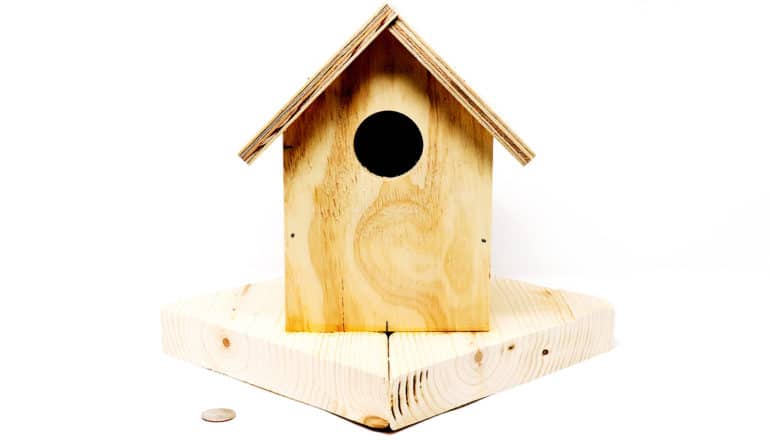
{"type": "Point", "coordinates": [218, 415]}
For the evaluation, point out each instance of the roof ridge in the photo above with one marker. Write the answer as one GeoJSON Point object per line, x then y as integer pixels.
{"type": "Point", "coordinates": [387, 18]}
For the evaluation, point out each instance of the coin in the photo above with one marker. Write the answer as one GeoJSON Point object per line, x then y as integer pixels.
{"type": "Point", "coordinates": [218, 415]}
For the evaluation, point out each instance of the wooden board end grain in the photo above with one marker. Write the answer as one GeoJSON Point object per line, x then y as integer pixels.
{"type": "Point", "coordinates": [388, 382]}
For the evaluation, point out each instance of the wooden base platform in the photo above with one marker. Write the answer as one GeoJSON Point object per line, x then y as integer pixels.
{"type": "Point", "coordinates": [388, 381]}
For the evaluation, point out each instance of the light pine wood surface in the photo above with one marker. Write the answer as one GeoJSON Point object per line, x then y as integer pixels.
{"type": "Point", "coordinates": [380, 381]}
{"type": "Point", "coordinates": [460, 90]}
{"type": "Point", "coordinates": [387, 18]}
{"type": "Point", "coordinates": [367, 253]}
{"type": "Point", "coordinates": [534, 331]}
{"type": "Point", "coordinates": [240, 332]}
{"type": "Point", "coordinates": [318, 83]}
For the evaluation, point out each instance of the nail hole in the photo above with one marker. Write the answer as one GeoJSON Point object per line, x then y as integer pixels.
{"type": "Point", "coordinates": [226, 342]}
{"type": "Point", "coordinates": [511, 347]}
{"type": "Point", "coordinates": [545, 352]}
{"type": "Point", "coordinates": [292, 235]}
{"type": "Point", "coordinates": [483, 240]}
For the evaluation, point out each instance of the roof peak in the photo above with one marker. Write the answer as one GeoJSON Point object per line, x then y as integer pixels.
{"type": "Point", "coordinates": [387, 19]}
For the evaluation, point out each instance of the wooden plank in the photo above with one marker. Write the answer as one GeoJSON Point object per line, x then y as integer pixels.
{"type": "Point", "coordinates": [534, 331]}
{"type": "Point", "coordinates": [405, 253]}
{"type": "Point", "coordinates": [240, 332]}
{"type": "Point", "coordinates": [391, 383]}
{"type": "Point", "coordinates": [318, 83]}
{"type": "Point", "coordinates": [464, 94]}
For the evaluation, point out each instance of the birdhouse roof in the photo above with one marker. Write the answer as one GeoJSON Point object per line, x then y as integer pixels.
{"type": "Point", "coordinates": [387, 19]}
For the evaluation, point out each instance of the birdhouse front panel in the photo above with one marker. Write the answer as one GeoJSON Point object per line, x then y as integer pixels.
{"type": "Point", "coordinates": [387, 187]}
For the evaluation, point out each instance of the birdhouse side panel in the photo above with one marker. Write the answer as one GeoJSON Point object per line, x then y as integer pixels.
{"type": "Point", "coordinates": [380, 236]}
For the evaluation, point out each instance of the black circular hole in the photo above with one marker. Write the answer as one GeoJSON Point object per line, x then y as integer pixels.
{"type": "Point", "coordinates": [388, 143]}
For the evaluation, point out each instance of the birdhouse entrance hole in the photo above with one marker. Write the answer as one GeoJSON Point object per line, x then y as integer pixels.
{"type": "Point", "coordinates": [388, 143]}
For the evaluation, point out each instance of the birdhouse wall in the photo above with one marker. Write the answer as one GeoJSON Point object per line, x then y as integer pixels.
{"type": "Point", "coordinates": [372, 253]}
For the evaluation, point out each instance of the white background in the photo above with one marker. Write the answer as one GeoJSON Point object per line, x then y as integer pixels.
{"type": "Point", "coordinates": [120, 191]}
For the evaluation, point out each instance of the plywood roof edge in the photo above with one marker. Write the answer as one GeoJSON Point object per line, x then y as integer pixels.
{"type": "Point", "coordinates": [319, 82]}
{"type": "Point", "coordinates": [461, 91]}
{"type": "Point", "coordinates": [387, 18]}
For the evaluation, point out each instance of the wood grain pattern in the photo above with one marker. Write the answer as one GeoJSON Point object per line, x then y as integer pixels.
{"type": "Point", "coordinates": [464, 94]}
{"type": "Point", "coordinates": [367, 253]}
{"type": "Point", "coordinates": [381, 382]}
{"type": "Point", "coordinates": [240, 332]}
{"type": "Point", "coordinates": [318, 83]}
{"type": "Point", "coordinates": [533, 331]}
{"type": "Point", "coordinates": [388, 18]}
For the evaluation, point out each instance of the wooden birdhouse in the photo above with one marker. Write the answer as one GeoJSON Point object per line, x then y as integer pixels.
{"type": "Point", "coordinates": [387, 160]}
{"type": "Point", "coordinates": [387, 314]}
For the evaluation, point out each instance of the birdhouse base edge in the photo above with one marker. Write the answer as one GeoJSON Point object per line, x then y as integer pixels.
{"type": "Point", "coordinates": [388, 380]}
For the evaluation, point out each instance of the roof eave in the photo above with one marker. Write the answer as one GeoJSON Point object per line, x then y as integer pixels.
{"type": "Point", "coordinates": [318, 83]}
{"type": "Point", "coordinates": [387, 18]}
